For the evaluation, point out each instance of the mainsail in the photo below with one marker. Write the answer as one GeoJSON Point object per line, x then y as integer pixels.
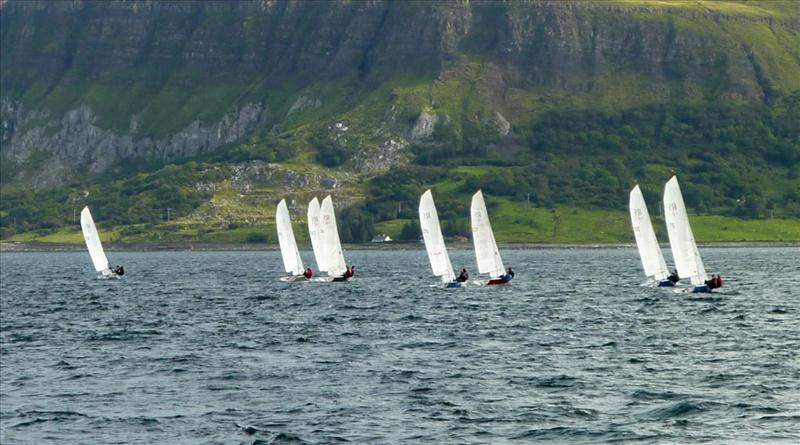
{"type": "Point", "coordinates": [93, 243]}
{"type": "Point", "coordinates": [434, 241]}
{"type": "Point", "coordinates": [331, 246]}
{"type": "Point", "coordinates": [681, 239]}
{"type": "Point", "coordinates": [314, 233]}
{"type": "Point", "coordinates": [291, 255]}
{"type": "Point", "coordinates": [649, 250]}
{"type": "Point", "coordinates": [486, 252]}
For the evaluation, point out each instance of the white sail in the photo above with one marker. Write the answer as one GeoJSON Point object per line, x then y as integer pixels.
{"type": "Point", "coordinates": [681, 239]}
{"type": "Point", "coordinates": [649, 250]}
{"type": "Point", "coordinates": [434, 241]}
{"type": "Point", "coordinates": [486, 252]}
{"type": "Point", "coordinates": [331, 246]}
{"type": "Point", "coordinates": [93, 243]}
{"type": "Point", "coordinates": [291, 255]}
{"type": "Point", "coordinates": [314, 234]}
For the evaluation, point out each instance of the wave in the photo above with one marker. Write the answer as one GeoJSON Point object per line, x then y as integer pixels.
{"type": "Point", "coordinates": [558, 433]}
{"type": "Point", "coordinates": [281, 439]}
{"type": "Point", "coordinates": [643, 394]}
{"type": "Point", "coordinates": [558, 381]}
{"type": "Point", "coordinates": [680, 409]}
{"type": "Point", "coordinates": [47, 416]}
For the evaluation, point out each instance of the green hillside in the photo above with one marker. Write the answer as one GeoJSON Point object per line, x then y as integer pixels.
{"type": "Point", "coordinates": [190, 121]}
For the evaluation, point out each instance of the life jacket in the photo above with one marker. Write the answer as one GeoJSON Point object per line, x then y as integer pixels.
{"type": "Point", "coordinates": [308, 273]}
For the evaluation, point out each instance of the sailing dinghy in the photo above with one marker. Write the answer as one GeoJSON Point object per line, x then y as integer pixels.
{"type": "Point", "coordinates": [94, 245]}
{"type": "Point", "coordinates": [331, 246]}
{"type": "Point", "coordinates": [681, 239]}
{"type": "Point", "coordinates": [649, 251]}
{"type": "Point", "coordinates": [486, 253]}
{"type": "Point", "coordinates": [292, 262]}
{"type": "Point", "coordinates": [434, 241]}
{"type": "Point", "coordinates": [314, 233]}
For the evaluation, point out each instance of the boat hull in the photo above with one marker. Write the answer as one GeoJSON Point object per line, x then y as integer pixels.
{"type": "Point", "coordinates": [341, 278]}
{"type": "Point", "coordinates": [703, 289]}
{"type": "Point", "coordinates": [453, 285]}
{"type": "Point", "coordinates": [113, 276]}
{"type": "Point", "coordinates": [496, 282]}
{"type": "Point", "coordinates": [666, 283]}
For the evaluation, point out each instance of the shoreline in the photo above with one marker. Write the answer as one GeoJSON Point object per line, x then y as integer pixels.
{"type": "Point", "coordinates": [223, 247]}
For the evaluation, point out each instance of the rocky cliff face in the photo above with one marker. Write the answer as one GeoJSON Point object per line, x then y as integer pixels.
{"type": "Point", "coordinates": [74, 143]}
{"type": "Point", "coordinates": [88, 85]}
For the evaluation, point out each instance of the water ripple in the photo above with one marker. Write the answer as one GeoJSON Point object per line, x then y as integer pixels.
{"type": "Point", "coordinates": [575, 351]}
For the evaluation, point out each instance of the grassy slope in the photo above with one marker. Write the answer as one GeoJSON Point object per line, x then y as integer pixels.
{"type": "Point", "coordinates": [513, 222]}
{"type": "Point", "coordinates": [755, 8]}
{"type": "Point", "coordinates": [518, 223]}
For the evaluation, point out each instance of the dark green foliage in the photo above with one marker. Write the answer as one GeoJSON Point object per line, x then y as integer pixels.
{"type": "Point", "coordinates": [256, 238]}
{"type": "Point", "coordinates": [728, 160]}
{"type": "Point", "coordinates": [138, 198]}
{"type": "Point", "coordinates": [396, 194]}
{"type": "Point", "coordinates": [355, 225]}
{"type": "Point", "coordinates": [449, 147]}
{"type": "Point", "coordinates": [721, 154]}
{"type": "Point", "coordinates": [271, 149]}
{"type": "Point", "coordinates": [331, 155]}
{"type": "Point", "coordinates": [411, 231]}
{"type": "Point", "coordinates": [330, 152]}
{"type": "Point", "coordinates": [456, 227]}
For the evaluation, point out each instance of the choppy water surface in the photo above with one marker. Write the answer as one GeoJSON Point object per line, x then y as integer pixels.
{"type": "Point", "coordinates": [210, 348]}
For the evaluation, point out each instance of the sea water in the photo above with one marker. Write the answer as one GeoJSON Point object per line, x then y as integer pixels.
{"type": "Point", "coordinates": [210, 347]}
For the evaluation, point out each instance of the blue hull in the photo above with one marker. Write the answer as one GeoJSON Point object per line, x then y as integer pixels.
{"type": "Point", "coordinates": [666, 283]}
{"type": "Point", "coordinates": [701, 290]}
{"type": "Point", "coordinates": [453, 284]}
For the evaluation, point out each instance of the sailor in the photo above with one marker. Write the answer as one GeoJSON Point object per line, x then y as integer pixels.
{"type": "Point", "coordinates": [118, 270]}
{"type": "Point", "coordinates": [351, 270]}
{"type": "Point", "coordinates": [308, 273]}
{"type": "Point", "coordinates": [463, 276]}
{"type": "Point", "coordinates": [674, 276]}
{"type": "Point", "coordinates": [508, 276]}
{"type": "Point", "coordinates": [714, 282]}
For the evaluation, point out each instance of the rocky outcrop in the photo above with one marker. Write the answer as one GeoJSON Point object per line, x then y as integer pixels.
{"type": "Point", "coordinates": [382, 157]}
{"type": "Point", "coordinates": [76, 143]}
{"type": "Point", "coordinates": [424, 126]}
{"type": "Point", "coordinates": [304, 103]}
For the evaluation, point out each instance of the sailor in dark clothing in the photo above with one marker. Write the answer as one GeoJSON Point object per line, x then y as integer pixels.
{"type": "Point", "coordinates": [118, 270]}
{"type": "Point", "coordinates": [308, 273]}
{"type": "Point", "coordinates": [674, 277]}
{"type": "Point", "coordinates": [463, 276]}
{"type": "Point", "coordinates": [351, 270]}
{"type": "Point", "coordinates": [714, 282]}
{"type": "Point", "coordinates": [508, 276]}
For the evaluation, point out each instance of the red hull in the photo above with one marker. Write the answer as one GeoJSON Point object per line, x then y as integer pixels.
{"type": "Point", "coordinates": [496, 281]}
